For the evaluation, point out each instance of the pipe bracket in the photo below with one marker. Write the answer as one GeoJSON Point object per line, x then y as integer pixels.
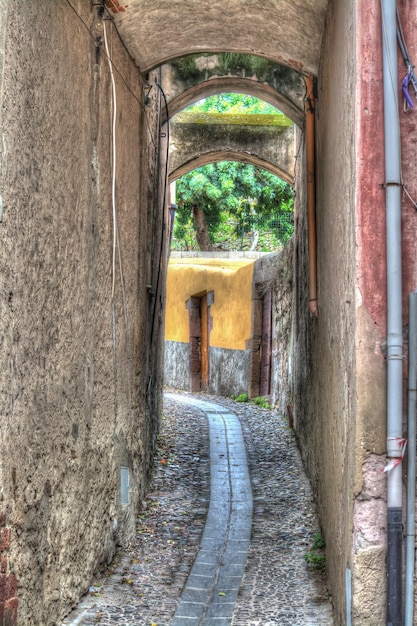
{"type": "Point", "coordinates": [395, 357]}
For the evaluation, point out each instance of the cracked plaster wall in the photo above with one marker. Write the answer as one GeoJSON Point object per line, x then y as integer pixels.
{"type": "Point", "coordinates": [73, 402]}
{"type": "Point", "coordinates": [324, 392]}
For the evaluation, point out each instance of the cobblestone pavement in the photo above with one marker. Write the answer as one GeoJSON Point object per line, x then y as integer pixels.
{"type": "Point", "coordinates": [145, 582]}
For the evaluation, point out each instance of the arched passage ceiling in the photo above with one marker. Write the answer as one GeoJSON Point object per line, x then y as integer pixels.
{"type": "Point", "coordinates": [285, 31]}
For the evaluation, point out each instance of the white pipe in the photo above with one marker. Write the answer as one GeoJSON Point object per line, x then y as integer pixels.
{"type": "Point", "coordinates": [411, 462]}
{"type": "Point", "coordinates": [113, 177]}
{"type": "Point", "coordinates": [394, 311]}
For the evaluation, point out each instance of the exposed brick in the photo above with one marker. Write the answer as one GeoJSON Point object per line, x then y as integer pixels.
{"type": "Point", "coordinates": [10, 613]}
{"type": "Point", "coordinates": [2, 520]}
{"type": "Point", "coordinates": [4, 539]}
{"type": "Point", "coordinates": [3, 565]}
{"type": "Point", "coordinates": [3, 589]}
{"type": "Point", "coordinates": [8, 587]}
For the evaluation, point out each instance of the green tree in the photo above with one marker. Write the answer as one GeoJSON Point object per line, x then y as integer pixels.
{"type": "Point", "coordinates": [220, 203]}
{"type": "Point", "coordinates": [233, 103]}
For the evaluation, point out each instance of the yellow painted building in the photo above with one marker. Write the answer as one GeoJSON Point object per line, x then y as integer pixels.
{"type": "Point", "coordinates": [231, 282]}
{"type": "Point", "coordinates": [210, 325]}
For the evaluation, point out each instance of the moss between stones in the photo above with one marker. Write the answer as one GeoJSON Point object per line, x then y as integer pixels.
{"type": "Point", "coordinates": [227, 62]}
{"type": "Point", "coordinates": [189, 70]}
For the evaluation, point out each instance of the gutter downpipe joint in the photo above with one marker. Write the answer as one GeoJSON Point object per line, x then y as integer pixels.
{"type": "Point", "coordinates": [311, 197]}
{"type": "Point", "coordinates": [394, 314]}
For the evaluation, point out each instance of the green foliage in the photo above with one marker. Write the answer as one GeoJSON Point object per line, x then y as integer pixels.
{"type": "Point", "coordinates": [237, 199]}
{"type": "Point", "coordinates": [318, 542]}
{"type": "Point", "coordinates": [243, 397]}
{"type": "Point", "coordinates": [235, 62]}
{"type": "Point", "coordinates": [228, 62]}
{"type": "Point", "coordinates": [235, 103]}
{"type": "Point", "coordinates": [317, 561]}
{"type": "Point", "coordinates": [316, 557]}
{"type": "Point", "coordinates": [261, 402]}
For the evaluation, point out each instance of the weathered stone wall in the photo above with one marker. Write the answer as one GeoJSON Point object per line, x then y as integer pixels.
{"type": "Point", "coordinates": [325, 390]}
{"type": "Point", "coordinates": [370, 515]}
{"type": "Point", "coordinates": [282, 325]}
{"type": "Point", "coordinates": [79, 378]}
{"type": "Point", "coordinates": [229, 371]}
{"type": "Point", "coordinates": [177, 365]}
{"type": "Point", "coordinates": [195, 144]}
{"type": "Point", "coordinates": [273, 275]}
{"type": "Point", "coordinates": [190, 78]}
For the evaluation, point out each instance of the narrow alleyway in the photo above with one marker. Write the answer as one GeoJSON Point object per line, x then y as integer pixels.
{"type": "Point", "coordinates": [190, 517]}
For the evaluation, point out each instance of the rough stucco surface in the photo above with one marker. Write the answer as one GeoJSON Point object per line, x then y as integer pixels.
{"type": "Point", "coordinates": [73, 407]}
{"type": "Point", "coordinates": [325, 386]}
{"type": "Point", "coordinates": [155, 32]}
{"type": "Point", "coordinates": [282, 315]}
{"type": "Point", "coordinates": [193, 145]}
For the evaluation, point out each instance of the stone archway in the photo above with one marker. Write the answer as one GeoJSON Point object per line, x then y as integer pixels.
{"type": "Point", "coordinates": [278, 85]}
{"type": "Point", "coordinates": [227, 155]}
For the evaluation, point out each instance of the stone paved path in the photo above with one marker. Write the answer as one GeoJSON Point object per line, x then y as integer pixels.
{"type": "Point", "coordinates": [145, 583]}
{"type": "Point", "coordinates": [213, 584]}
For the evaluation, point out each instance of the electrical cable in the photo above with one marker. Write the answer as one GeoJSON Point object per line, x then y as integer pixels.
{"type": "Point", "coordinates": [114, 155]}
{"type": "Point", "coordinates": [116, 69]}
{"type": "Point", "coordinates": [116, 239]}
{"type": "Point", "coordinates": [161, 250]}
{"type": "Point", "coordinates": [113, 200]}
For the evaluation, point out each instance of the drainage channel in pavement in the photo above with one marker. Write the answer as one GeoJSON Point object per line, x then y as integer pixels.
{"type": "Point", "coordinates": [211, 589]}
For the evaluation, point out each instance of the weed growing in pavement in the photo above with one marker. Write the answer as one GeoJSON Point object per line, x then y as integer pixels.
{"type": "Point", "coordinates": [316, 557]}
{"type": "Point", "coordinates": [261, 402]}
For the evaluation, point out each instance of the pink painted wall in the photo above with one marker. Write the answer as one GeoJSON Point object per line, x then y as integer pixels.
{"type": "Point", "coordinates": [370, 194]}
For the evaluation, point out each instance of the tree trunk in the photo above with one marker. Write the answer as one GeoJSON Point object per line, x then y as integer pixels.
{"type": "Point", "coordinates": [201, 229]}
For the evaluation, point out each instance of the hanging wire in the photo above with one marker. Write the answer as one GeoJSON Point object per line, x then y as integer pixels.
{"type": "Point", "coordinates": [113, 176]}
{"type": "Point", "coordinates": [161, 250]}
{"type": "Point", "coordinates": [116, 69]}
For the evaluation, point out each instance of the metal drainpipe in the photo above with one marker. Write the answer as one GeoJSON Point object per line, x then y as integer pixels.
{"type": "Point", "coordinates": [411, 463]}
{"type": "Point", "coordinates": [394, 312]}
{"type": "Point", "coordinates": [311, 197]}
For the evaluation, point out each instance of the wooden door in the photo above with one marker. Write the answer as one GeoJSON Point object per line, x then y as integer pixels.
{"type": "Point", "coordinates": [204, 343]}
